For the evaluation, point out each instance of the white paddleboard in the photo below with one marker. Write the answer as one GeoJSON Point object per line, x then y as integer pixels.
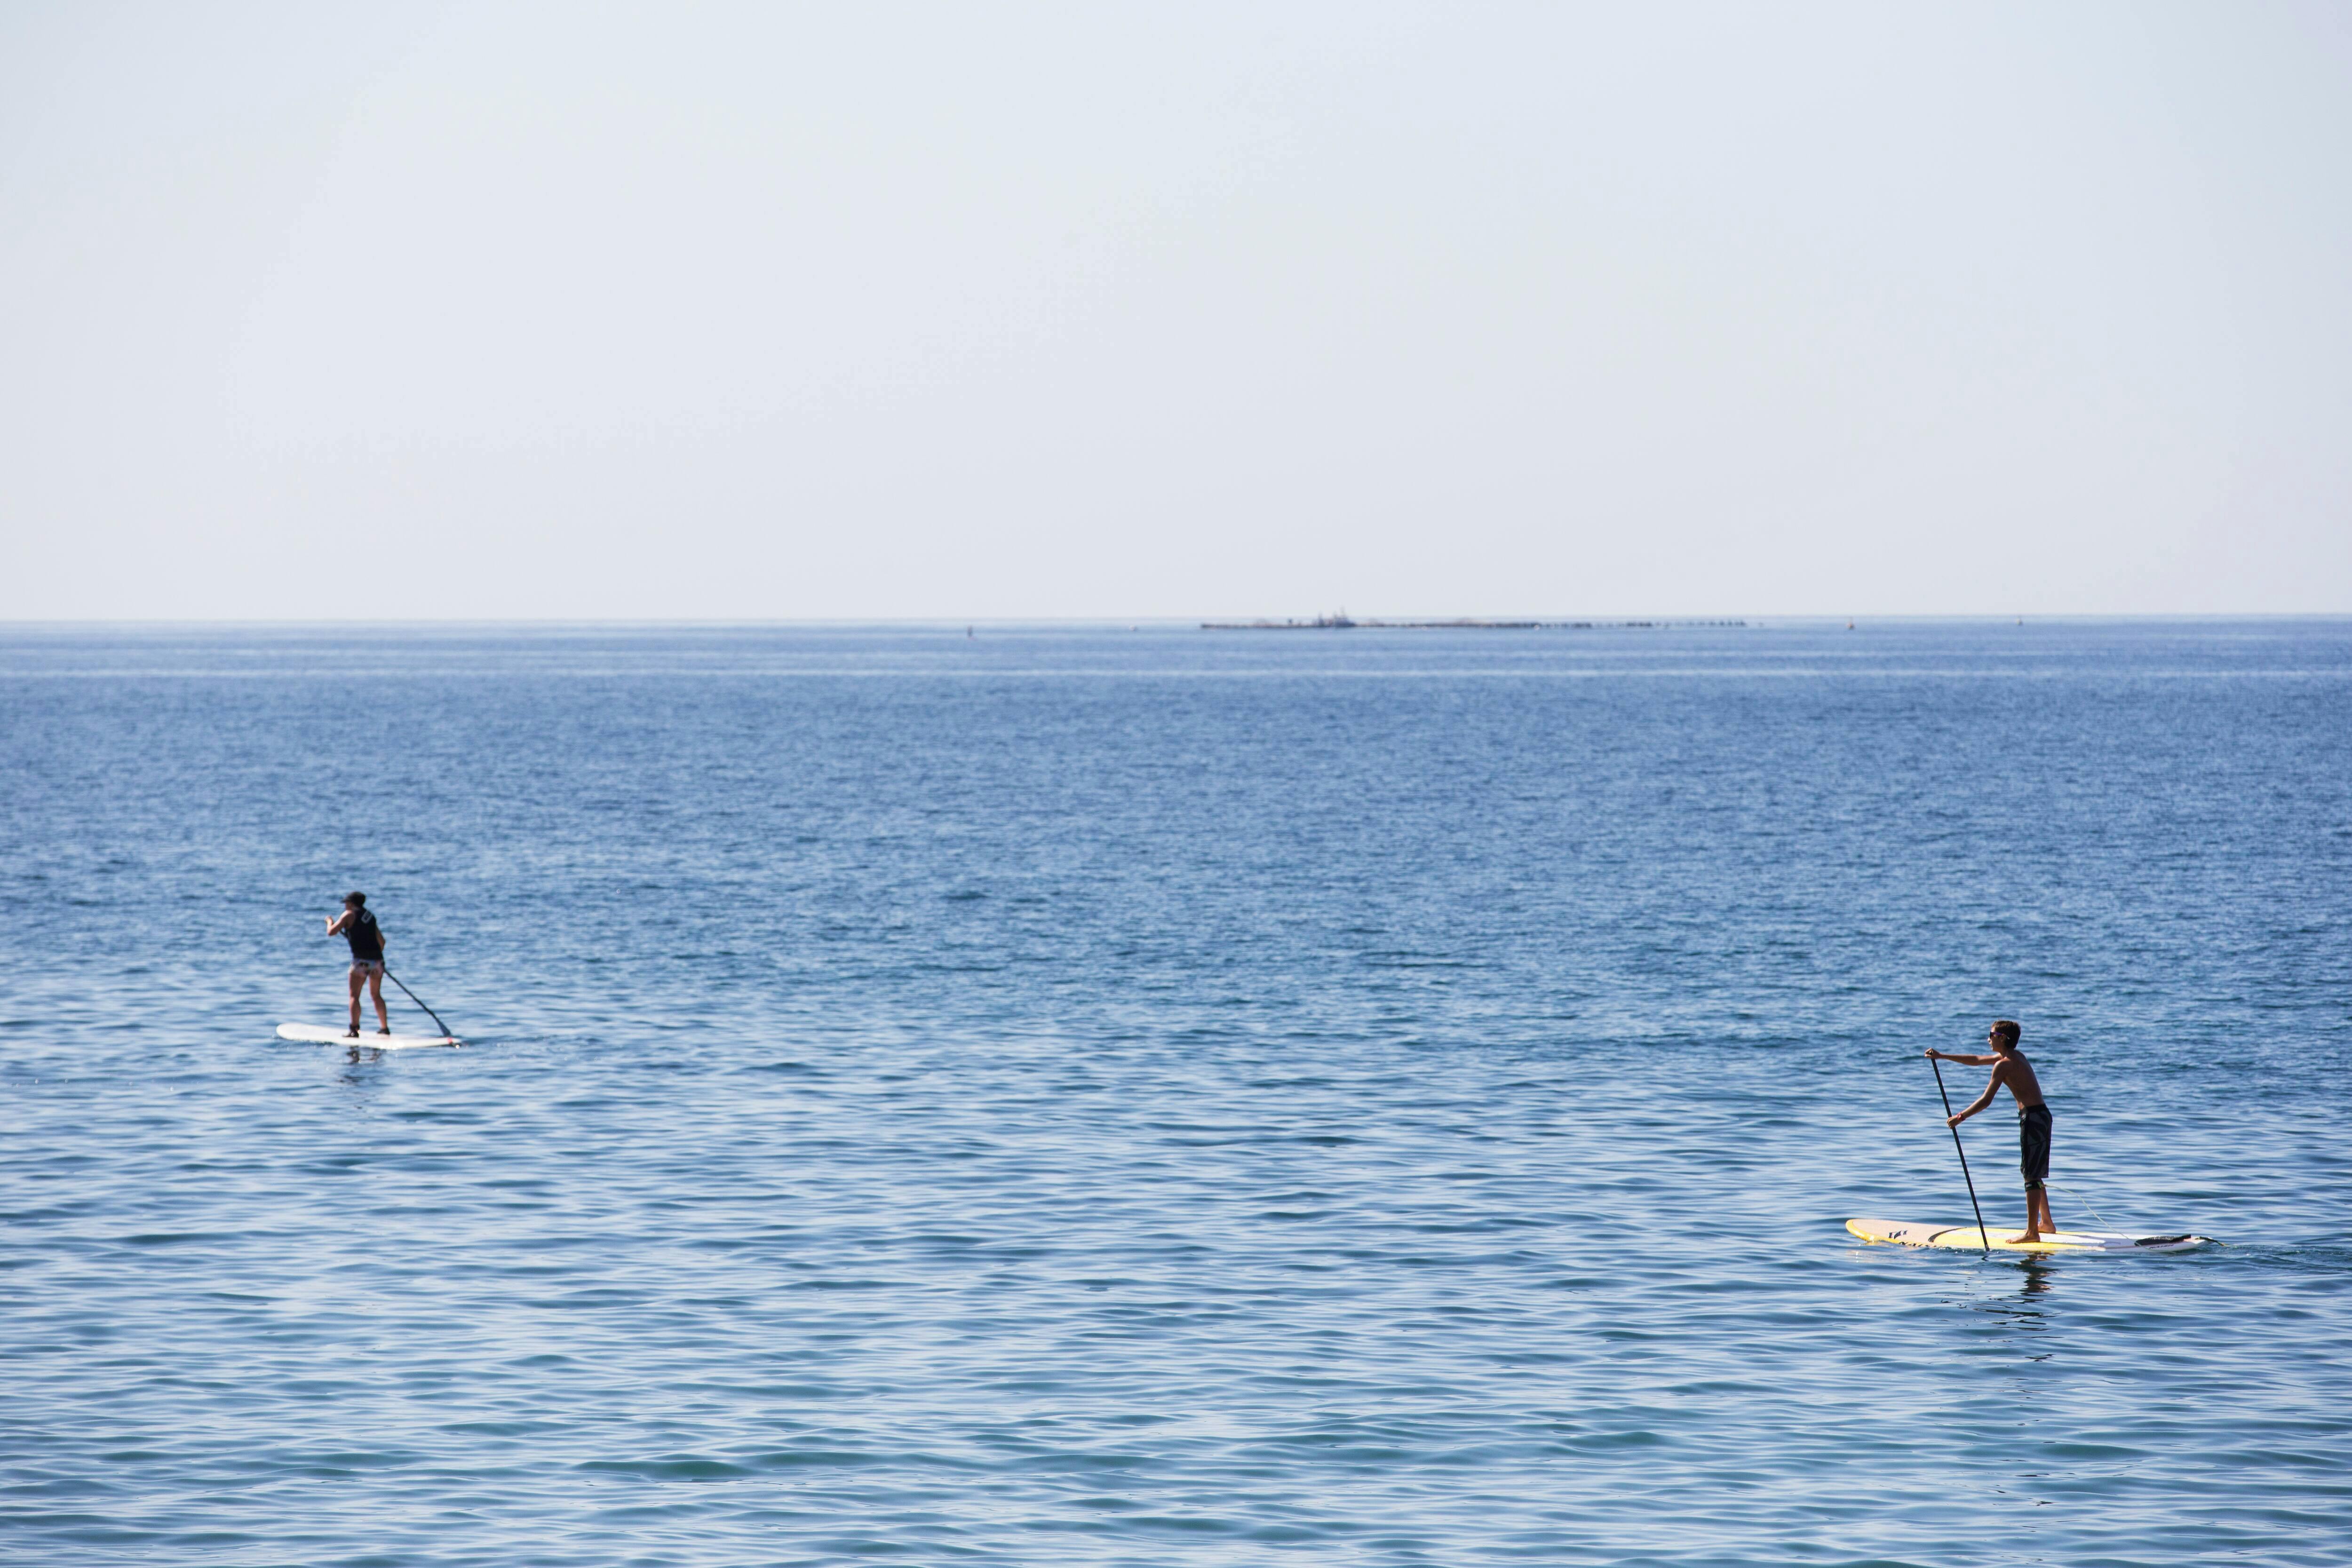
{"type": "Point", "coordinates": [332, 1034]}
{"type": "Point", "coordinates": [1969, 1238]}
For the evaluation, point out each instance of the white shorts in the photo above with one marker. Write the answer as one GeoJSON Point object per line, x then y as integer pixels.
{"type": "Point", "coordinates": [367, 965]}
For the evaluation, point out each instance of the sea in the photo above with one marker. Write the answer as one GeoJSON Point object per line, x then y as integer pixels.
{"type": "Point", "coordinates": [1162, 1096]}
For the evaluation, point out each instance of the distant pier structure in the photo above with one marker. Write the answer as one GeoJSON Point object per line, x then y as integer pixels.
{"type": "Point", "coordinates": [1341, 623]}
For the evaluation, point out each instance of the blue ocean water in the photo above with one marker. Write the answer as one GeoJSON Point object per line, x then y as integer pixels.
{"type": "Point", "coordinates": [1148, 1097]}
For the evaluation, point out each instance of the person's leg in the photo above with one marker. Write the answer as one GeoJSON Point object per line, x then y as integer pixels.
{"type": "Point", "coordinates": [355, 998]}
{"type": "Point", "coordinates": [2042, 1172]}
{"type": "Point", "coordinates": [2033, 1162]}
{"type": "Point", "coordinates": [376, 989]}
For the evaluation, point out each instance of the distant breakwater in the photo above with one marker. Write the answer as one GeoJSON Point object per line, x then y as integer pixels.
{"type": "Point", "coordinates": [1343, 623]}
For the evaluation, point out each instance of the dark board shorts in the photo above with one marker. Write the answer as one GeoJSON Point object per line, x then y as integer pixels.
{"type": "Point", "coordinates": [2033, 1144]}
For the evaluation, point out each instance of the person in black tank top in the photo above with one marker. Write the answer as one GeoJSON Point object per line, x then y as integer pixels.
{"type": "Point", "coordinates": [358, 927]}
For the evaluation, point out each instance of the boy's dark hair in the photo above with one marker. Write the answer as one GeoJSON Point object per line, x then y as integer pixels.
{"type": "Point", "coordinates": [358, 902]}
{"type": "Point", "coordinates": [2005, 1031]}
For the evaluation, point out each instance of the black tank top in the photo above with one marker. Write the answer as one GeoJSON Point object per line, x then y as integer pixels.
{"type": "Point", "coordinates": [366, 940]}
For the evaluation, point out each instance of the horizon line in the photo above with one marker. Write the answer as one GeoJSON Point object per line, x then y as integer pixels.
{"type": "Point", "coordinates": [1729, 621]}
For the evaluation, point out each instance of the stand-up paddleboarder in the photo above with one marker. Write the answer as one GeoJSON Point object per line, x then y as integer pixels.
{"type": "Point", "coordinates": [358, 927]}
{"type": "Point", "coordinates": [2008, 1067]}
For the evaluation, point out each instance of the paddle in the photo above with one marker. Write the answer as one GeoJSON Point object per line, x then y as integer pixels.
{"type": "Point", "coordinates": [429, 1012]}
{"type": "Point", "coordinates": [1983, 1240]}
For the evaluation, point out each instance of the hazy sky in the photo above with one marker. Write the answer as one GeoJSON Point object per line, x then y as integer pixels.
{"type": "Point", "coordinates": [953, 310]}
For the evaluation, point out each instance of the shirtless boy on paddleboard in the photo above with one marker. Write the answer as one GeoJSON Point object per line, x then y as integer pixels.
{"type": "Point", "coordinates": [358, 927]}
{"type": "Point", "coordinates": [2008, 1067]}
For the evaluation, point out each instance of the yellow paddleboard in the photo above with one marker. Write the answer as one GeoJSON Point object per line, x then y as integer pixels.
{"type": "Point", "coordinates": [1969, 1238]}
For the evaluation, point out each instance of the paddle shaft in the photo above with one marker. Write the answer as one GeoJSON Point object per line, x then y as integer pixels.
{"type": "Point", "coordinates": [429, 1012]}
{"type": "Point", "coordinates": [1983, 1240]}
